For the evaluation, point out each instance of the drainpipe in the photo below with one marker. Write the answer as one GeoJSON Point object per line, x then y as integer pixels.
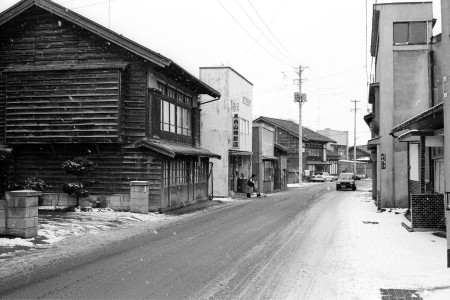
{"type": "Point", "coordinates": [215, 99]}
{"type": "Point", "coordinates": [211, 175]}
{"type": "Point", "coordinates": [445, 20]}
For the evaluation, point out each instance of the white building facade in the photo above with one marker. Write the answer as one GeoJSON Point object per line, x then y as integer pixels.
{"type": "Point", "coordinates": [226, 127]}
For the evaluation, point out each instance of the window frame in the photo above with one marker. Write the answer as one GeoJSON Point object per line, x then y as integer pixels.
{"type": "Point", "coordinates": [268, 167]}
{"type": "Point", "coordinates": [176, 112]}
{"type": "Point", "coordinates": [409, 34]}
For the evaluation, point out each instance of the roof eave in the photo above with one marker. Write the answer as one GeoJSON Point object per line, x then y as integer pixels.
{"type": "Point", "coordinates": [326, 140]}
{"type": "Point", "coordinates": [206, 89]}
{"type": "Point", "coordinates": [87, 24]}
{"type": "Point", "coordinates": [433, 110]}
{"type": "Point", "coordinates": [105, 33]}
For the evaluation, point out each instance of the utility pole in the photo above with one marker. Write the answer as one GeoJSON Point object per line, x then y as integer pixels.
{"type": "Point", "coordinates": [300, 98]}
{"type": "Point", "coordinates": [354, 136]}
{"type": "Point", "coordinates": [445, 21]}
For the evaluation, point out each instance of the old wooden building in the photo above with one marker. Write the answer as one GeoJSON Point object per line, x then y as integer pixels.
{"type": "Point", "coordinates": [314, 147]}
{"type": "Point", "coordinates": [71, 87]}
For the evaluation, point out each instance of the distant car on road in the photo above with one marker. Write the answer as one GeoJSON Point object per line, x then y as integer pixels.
{"type": "Point", "coordinates": [346, 181]}
{"type": "Point", "coordinates": [322, 177]}
{"type": "Point", "coordinates": [360, 176]}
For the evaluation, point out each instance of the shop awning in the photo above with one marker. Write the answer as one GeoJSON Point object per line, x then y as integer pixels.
{"type": "Point", "coordinates": [172, 150]}
{"type": "Point", "coordinates": [414, 135]}
{"type": "Point", "coordinates": [312, 162]}
{"type": "Point", "coordinates": [280, 147]}
{"type": "Point", "coordinates": [240, 153]}
{"type": "Point", "coordinates": [269, 157]}
{"type": "Point", "coordinates": [431, 119]}
{"type": "Point", "coordinates": [372, 144]}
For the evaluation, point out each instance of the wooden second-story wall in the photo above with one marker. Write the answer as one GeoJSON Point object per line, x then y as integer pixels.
{"type": "Point", "coordinates": [65, 84]}
{"type": "Point", "coordinates": [2, 108]}
{"type": "Point", "coordinates": [62, 106]}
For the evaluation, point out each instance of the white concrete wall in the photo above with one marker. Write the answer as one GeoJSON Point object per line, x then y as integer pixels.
{"type": "Point", "coordinates": [268, 140]}
{"type": "Point", "coordinates": [216, 121]}
{"type": "Point", "coordinates": [341, 137]}
{"type": "Point", "coordinates": [391, 72]}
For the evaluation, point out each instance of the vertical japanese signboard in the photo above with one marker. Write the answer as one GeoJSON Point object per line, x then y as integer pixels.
{"type": "Point", "coordinates": [236, 132]}
{"type": "Point", "coordinates": [383, 161]}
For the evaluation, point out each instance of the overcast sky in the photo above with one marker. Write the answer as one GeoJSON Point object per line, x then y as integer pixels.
{"type": "Point", "coordinates": [265, 41]}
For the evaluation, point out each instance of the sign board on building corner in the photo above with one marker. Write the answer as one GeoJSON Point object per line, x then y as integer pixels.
{"type": "Point", "coordinates": [383, 161]}
{"type": "Point", "coordinates": [236, 131]}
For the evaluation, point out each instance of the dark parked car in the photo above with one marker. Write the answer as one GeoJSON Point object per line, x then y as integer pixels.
{"type": "Point", "coordinates": [346, 181]}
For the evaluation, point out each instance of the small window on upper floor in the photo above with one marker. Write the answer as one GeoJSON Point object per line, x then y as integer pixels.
{"type": "Point", "coordinates": [410, 33]}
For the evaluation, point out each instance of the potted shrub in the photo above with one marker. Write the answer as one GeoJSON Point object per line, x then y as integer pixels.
{"type": "Point", "coordinates": [80, 167]}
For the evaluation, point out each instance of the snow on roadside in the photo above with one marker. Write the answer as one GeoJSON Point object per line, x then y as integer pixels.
{"type": "Point", "coordinates": [381, 253]}
{"type": "Point", "coordinates": [55, 227]}
{"type": "Point", "coordinates": [63, 236]}
{"type": "Point", "coordinates": [228, 199]}
{"type": "Point", "coordinates": [303, 184]}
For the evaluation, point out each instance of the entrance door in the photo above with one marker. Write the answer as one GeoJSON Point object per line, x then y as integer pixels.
{"type": "Point", "coordinates": [232, 173]}
{"type": "Point", "coordinates": [177, 183]}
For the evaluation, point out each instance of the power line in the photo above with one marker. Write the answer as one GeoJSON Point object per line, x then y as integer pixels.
{"type": "Point", "coordinates": [243, 28]}
{"type": "Point", "coordinates": [92, 4]}
{"type": "Point", "coordinates": [268, 28]}
{"type": "Point", "coordinates": [262, 32]}
{"type": "Point", "coordinates": [356, 83]}
{"type": "Point", "coordinates": [335, 74]}
{"type": "Point", "coordinates": [273, 19]}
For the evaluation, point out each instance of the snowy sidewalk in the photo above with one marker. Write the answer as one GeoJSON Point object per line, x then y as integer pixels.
{"type": "Point", "coordinates": [383, 254]}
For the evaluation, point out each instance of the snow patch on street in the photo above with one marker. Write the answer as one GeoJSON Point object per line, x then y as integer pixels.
{"type": "Point", "coordinates": [382, 253]}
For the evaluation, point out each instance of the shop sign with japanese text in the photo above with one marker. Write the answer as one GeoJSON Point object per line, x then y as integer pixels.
{"type": "Point", "coordinates": [236, 131]}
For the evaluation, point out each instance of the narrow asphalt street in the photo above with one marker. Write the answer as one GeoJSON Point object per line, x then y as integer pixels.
{"type": "Point", "coordinates": [279, 247]}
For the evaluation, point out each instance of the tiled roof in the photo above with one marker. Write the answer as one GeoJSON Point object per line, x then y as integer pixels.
{"type": "Point", "coordinates": [292, 127]}
{"type": "Point", "coordinates": [362, 148]}
{"type": "Point", "coordinates": [331, 154]}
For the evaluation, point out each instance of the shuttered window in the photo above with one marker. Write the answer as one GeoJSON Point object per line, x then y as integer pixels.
{"type": "Point", "coordinates": [63, 106]}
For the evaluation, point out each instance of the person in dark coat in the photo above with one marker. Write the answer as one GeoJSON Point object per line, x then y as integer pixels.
{"type": "Point", "coordinates": [252, 186]}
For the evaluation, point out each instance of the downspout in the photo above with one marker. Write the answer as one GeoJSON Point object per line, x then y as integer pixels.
{"type": "Point", "coordinates": [215, 99]}
{"type": "Point", "coordinates": [409, 176]}
{"type": "Point", "coordinates": [211, 175]}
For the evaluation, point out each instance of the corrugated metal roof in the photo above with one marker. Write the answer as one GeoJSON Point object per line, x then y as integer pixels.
{"type": "Point", "coordinates": [292, 127]}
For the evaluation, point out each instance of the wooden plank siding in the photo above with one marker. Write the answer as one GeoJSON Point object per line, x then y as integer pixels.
{"type": "Point", "coordinates": [62, 106]}
{"type": "Point", "coordinates": [135, 103]}
{"type": "Point", "coordinates": [2, 108]}
{"type": "Point", "coordinates": [69, 92]}
{"type": "Point", "coordinates": [115, 167]}
{"type": "Point", "coordinates": [39, 38]}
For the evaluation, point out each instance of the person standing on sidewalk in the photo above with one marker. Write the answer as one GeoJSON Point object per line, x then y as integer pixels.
{"type": "Point", "coordinates": [252, 186]}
